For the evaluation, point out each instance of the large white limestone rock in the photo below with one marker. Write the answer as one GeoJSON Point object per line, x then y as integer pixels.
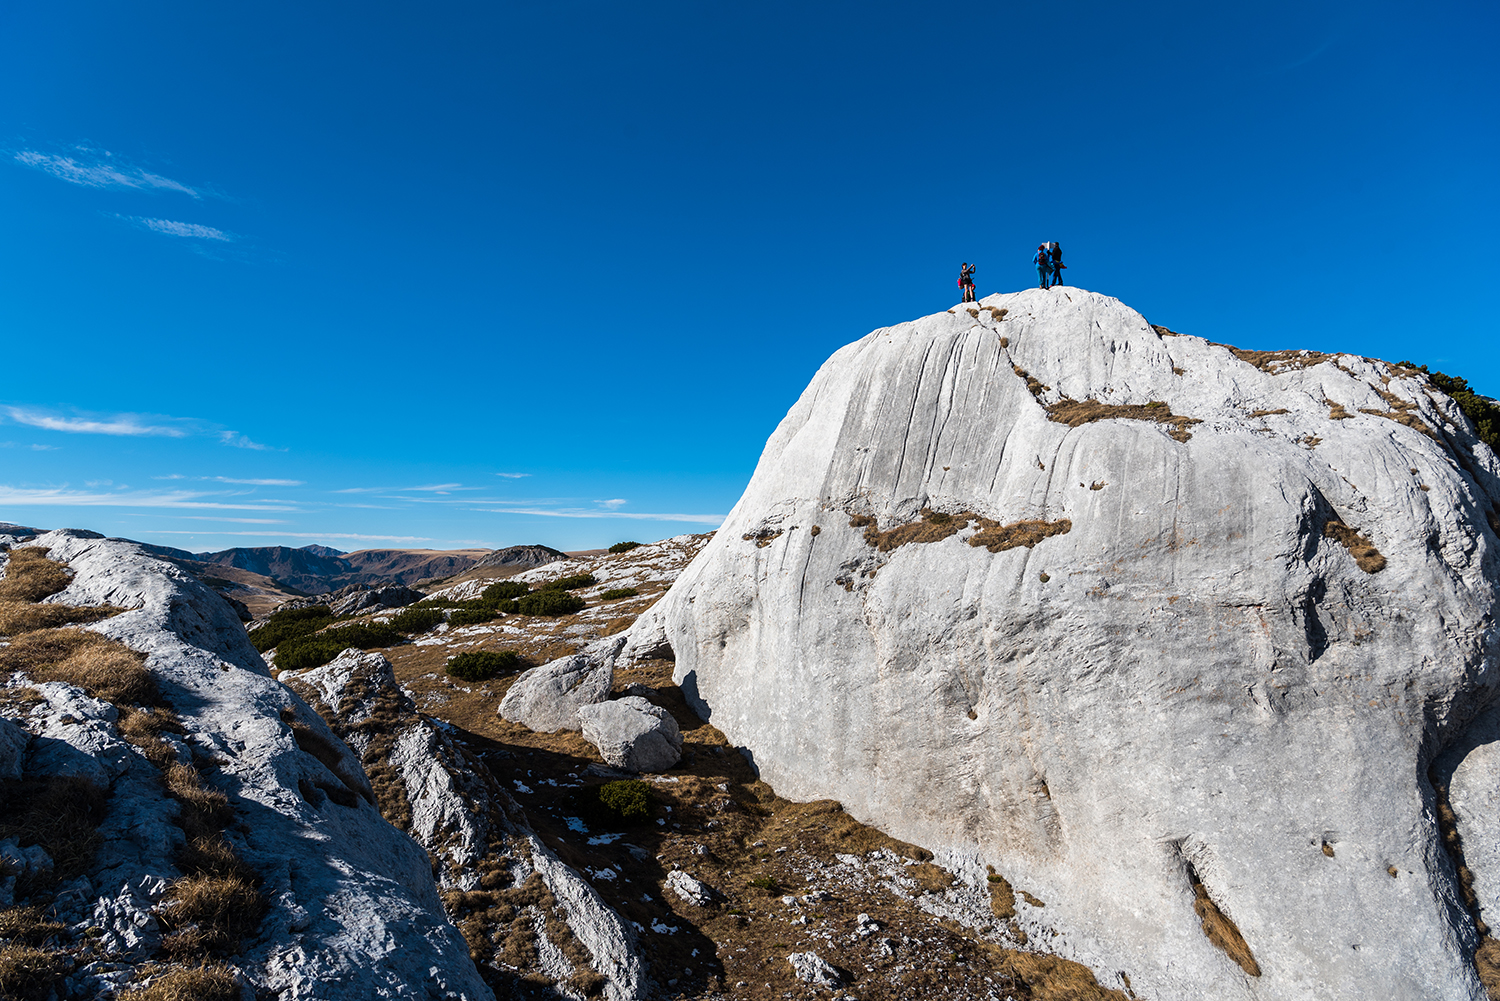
{"type": "Point", "coordinates": [354, 911]}
{"type": "Point", "coordinates": [1195, 684]}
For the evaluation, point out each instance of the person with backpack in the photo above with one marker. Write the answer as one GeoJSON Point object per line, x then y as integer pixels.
{"type": "Point", "coordinates": [1057, 264]}
{"type": "Point", "coordinates": [966, 281]}
{"type": "Point", "coordinates": [1043, 262]}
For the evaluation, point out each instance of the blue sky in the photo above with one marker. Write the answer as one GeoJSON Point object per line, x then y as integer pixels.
{"type": "Point", "coordinates": [489, 273]}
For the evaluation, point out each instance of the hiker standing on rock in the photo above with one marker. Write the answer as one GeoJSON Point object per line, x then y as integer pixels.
{"type": "Point", "coordinates": [1057, 264]}
{"type": "Point", "coordinates": [1043, 262]}
{"type": "Point", "coordinates": [966, 281]}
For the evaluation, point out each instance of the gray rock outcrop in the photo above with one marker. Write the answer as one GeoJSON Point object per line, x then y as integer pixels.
{"type": "Point", "coordinates": [1166, 632]}
{"type": "Point", "coordinates": [813, 969]}
{"type": "Point", "coordinates": [367, 599]}
{"type": "Point", "coordinates": [632, 733]}
{"type": "Point", "coordinates": [547, 698]}
{"type": "Point", "coordinates": [467, 821]}
{"type": "Point", "coordinates": [353, 909]}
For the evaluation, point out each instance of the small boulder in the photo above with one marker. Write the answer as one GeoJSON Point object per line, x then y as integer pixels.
{"type": "Point", "coordinates": [547, 698]}
{"type": "Point", "coordinates": [811, 968]}
{"type": "Point", "coordinates": [632, 733]}
{"type": "Point", "coordinates": [692, 890]}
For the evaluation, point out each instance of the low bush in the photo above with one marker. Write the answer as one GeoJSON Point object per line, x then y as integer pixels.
{"type": "Point", "coordinates": [572, 583]}
{"type": "Point", "coordinates": [481, 665]}
{"type": "Point", "coordinates": [472, 616]}
{"type": "Point", "coordinates": [289, 623]}
{"type": "Point", "coordinates": [618, 592]}
{"type": "Point", "coordinates": [416, 620]}
{"type": "Point", "coordinates": [300, 652]}
{"type": "Point", "coordinates": [503, 591]}
{"type": "Point", "coordinates": [628, 799]}
{"type": "Point", "coordinates": [624, 547]}
{"type": "Point", "coordinates": [550, 601]}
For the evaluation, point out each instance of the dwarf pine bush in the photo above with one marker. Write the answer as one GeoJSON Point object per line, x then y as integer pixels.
{"type": "Point", "coordinates": [481, 665]}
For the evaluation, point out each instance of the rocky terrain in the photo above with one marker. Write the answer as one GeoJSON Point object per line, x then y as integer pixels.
{"type": "Point", "coordinates": [1048, 655]}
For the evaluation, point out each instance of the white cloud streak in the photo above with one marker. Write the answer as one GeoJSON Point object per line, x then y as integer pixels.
{"type": "Point", "coordinates": [255, 483]}
{"type": "Point", "coordinates": [698, 519]}
{"type": "Point", "coordinates": [123, 424]}
{"type": "Point", "coordinates": [184, 499]}
{"type": "Point", "coordinates": [130, 425]}
{"type": "Point", "coordinates": [91, 170]}
{"type": "Point", "coordinates": [611, 505]}
{"type": "Point", "coordinates": [171, 227]}
{"type": "Point", "coordinates": [514, 476]}
{"type": "Point", "coordinates": [315, 535]}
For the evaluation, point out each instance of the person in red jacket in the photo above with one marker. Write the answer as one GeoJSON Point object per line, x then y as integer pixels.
{"type": "Point", "coordinates": [1043, 262]}
{"type": "Point", "coordinates": [966, 281]}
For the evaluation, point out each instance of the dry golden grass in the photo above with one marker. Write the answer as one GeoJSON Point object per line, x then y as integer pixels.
{"type": "Point", "coordinates": [30, 974]}
{"type": "Point", "coordinates": [32, 925]}
{"type": "Point", "coordinates": [1487, 962]}
{"type": "Point", "coordinates": [997, 538]}
{"type": "Point", "coordinates": [144, 728]}
{"type": "Point", "coordinates": [1051, 978]}
{"type": "Point", "coordinates": [1366, 556]}
{"type": "Point", "coordinates": [209, 982]}
{"type": "Point", "coordinates": [209, 808]}
{"type": "Point", "coordinates": [1221, 931]}
{"type": "Point", "coordinates": [1032, 382]}
{"type": "Point", "coordinates": [1276, 362]}
{"type": "Point", "coordinates": [1336, 411]}
{"type": "Point", "coordinates": [1164, 332]}
{"type": "Point", "coordinates": [1076, 413]}
{"type": "Point", "coordinates": [30, 576]}
{"type": "Point", "coordinates": [934, 526]}
{"type": "Point", "coordinates": [1268, 413]}
{"type": "Point", "coordinates": [23, 617]}
{"type": "Point", "coordinates": [103, 667]}
{"type": "Point", "coordinates": [206, 913]}
{"type": "Point", "coordinates": [61, 814]}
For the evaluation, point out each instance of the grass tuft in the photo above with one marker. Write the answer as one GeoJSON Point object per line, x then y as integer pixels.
{"type": "Point", "coordinates": [997, 538]}
{"type": "Point", "coordinates": [1366, 556]}
{"type": "Point", "coordinates": [30, 576]}
{"type": "Point", "coordinates": [106, 669]}
{"type": "Point", "coordinates": [209, 982]}
{"type": "Point", "coordinates": [31, 974]}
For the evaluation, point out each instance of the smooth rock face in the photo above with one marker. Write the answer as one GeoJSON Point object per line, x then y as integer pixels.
{"type": "Point", "coordinates": [547, 698]}
{"type": "Point", "coordinates": [354, 912]}
{"type": "Point", "coordinates": [1196, 683]}
{"type": "Point", "coordinates": [632, 733]}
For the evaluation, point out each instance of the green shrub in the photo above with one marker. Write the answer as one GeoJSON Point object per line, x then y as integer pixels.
{"type": "Point", "coordinates": [503, 591]}
{"type": "Point", "coordinates": [288, 623]}
{"type": "Point", "coordinates": [619, 592]}
{"type": "Point", "coordinates": [437, 603]}
{"type": "Point", "coordinates": [416, 620]}
{"type": "Point", "coordinates": [572, 583]}
{"type": "Point", "coordinates": [624, 547]}
{"type": "Point", "coordinates": [550, 602]}
{"type": "Point", "coordinates": [628, 799]}
{"type": "Point", "coordinates": [480, 665]}
{"type": "Point", "coordinates": [1486, 416]}
{"type": "Point", "coordinates": [472, 616]}
{"type": "Point", "coordinates": [298, 652]}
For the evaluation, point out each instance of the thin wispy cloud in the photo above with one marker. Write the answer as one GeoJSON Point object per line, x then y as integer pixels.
{"type": "Point", "coordinates": [171, 227]}
{"type": "Point", "coordinates": [181, 499]}
{"type": "Point", "coordinates": [317, 535]}
{"type": "Point", "coordinates": [697, 519]}
{"type": "Point", "coordinates": [128, 425]}
{"type": "Point", "coordinates": [611, 505]}
{"type": "Point", "coordinates": [514, 476]}
{"type": "Point", "coordinates": [238, 521]}
{"type": "Point", "coordinates": [256, 483]}
{"type": "Point", "coordinates": [100, 169]}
